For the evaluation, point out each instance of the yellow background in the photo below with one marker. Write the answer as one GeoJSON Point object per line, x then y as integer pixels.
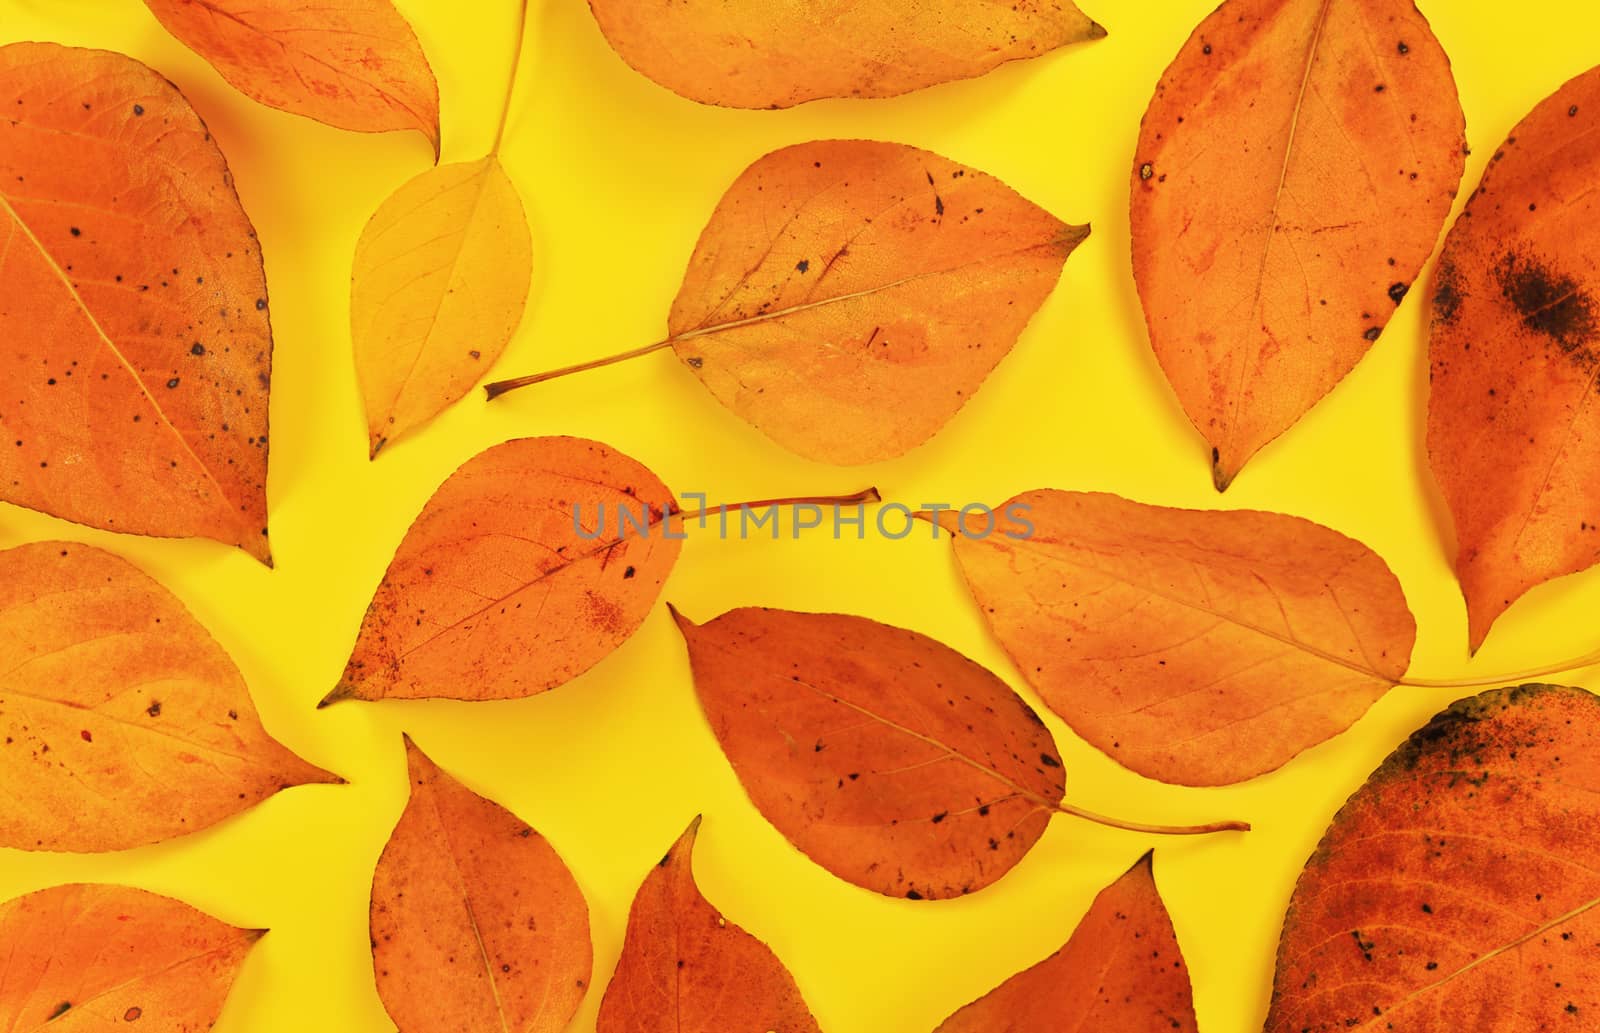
{"type": "Point", "coordinates": [618, 176]}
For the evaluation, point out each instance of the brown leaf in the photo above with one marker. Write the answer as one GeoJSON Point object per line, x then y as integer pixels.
{"type": "Point", "coordinates": [476, 922]}
{"type": "Point", "coordinates": [122, 722]}
{"type": "Point", "coordinates": [1121, 972]}
{"type": "Point", "coordinates": [888, 758]}
{"type": "Point", "coordinates": [780, 55]}
{"type": "Point", "coordinates": [81, 958]}
{"type": "Point", "coordinates": [1293, 171]}
{"type": "Point", "coordinates": [1513, 428]}
{"type": "Point", "coordinates": [439, 284]}
{"type": "Point", "coordinates": [494, 594]}
{"type": "Point", "coordinates": [354, 64]}
{"type": "Point", "coordinates": [848, 297]}
{"type": "Point", "coordinates": [1201, 648]}
{"type": "Point", "coordinates": [132, 303]}
{"type": "Point", "coordinates": [1458, 889]}
{"type": "Point", "coordinates": [686, 969]}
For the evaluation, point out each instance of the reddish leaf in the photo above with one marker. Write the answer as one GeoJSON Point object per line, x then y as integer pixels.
{"type": "Point", "coordinates": [686, 969]}
{"type": "Point", "coordinates": [494, 594]}
{"type": "Point", "coordinates": [132, 304]}
{"type": "Point", "coordinates": [476, 922]}
{"type": "Point", "coordinates": [1292, 175]}
{"type": "Point", "coordinates": [1513, 428]}
{"type": "Point", "coordinates": [1202, 648]}
{"type": "Point", "coordinates": [122, 722]}
{"type": "Point", "coordinates": [1458, 889]}
{"type": "Point", "coordinates": [354, 64]}
{"type": "Point", "coordinates": [82, 958]}
{"type": "Point", "coordinates": [1121, 972]}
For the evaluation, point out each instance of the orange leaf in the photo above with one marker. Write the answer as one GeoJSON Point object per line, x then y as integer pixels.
{"type": "Point", "coordinates": [494, 594]}
{"type": "Point", "coordinates": [848, 297]}
{"type": "Point", "coordinates": [1202, 648]}
{"type": "Point", "coordinates": [354, 64]}
{"type": "Point", "coordinates": [886, 757]}
{"type": "Point", "coordinates": [122, 722]}
{"type": "Point", "coordinates": [476, 922]}
{"type": "Point", "coordinates": [132, 304]}
{"type": "Point", "coordinates": [1459, 889]}
{"type": "Point", "coordinates": [686, 969]}
{"type": "Point", "coordinates": [99, 957]}
{"type": "Point", "coordinates": [1292, 175]}
{"type": "Point", "coordinates": [1513, 428]}
{"type": "Point", "coordinates": [780, 55]}
{"type": "Point", "coordinates": [1121, 972]}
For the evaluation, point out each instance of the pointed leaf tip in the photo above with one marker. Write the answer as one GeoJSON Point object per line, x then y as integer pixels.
{"type": "Point", "coordinates": [685, 625]}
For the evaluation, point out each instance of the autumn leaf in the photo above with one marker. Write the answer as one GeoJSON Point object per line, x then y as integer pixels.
{"type": "Point", "coordinates": [122, 722]}
{"type": "Point", "coordinates": [496, 594]}
{"type": "Point", "coordinates": [132, 303]}
{"type": "Point", "coordinates": [1202, 648]}
{"type": "Point", "coordinates": [686, 969]}
{"type": "Point", "coordinates": [1121, 972]}
{"type": "Point", "coordinates": [1457, 889]}
{"type": "Point", "coordinates": [354, 64]}
{"type": "Point", "coordinates": [1293, 172]}
{"type": "Point", "coordinates": [848, 297]}
{"type": "Point", "coordinates": [82, 958]}
{"type": "Point", "coordinates": [1513, 429]}
{"type": "Point", "coordinates": [886, 757]}
{"type": "Point", "coordinates": [476, 922]}
{"type": "Point", "coordinates": [440, 280]}
{"type": "Point", "coordinates": [782, 54]}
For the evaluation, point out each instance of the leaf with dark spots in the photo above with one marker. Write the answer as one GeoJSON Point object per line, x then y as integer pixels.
{"type": "Point", "coordinates": [1293, 172]}
{"type": "Point", "coordinates": [476, 922]}
{"type": "Point", "coordinates": [845, 309]}
{"type": "Point", "coordinates": [109, 183]}
{"type": "Point", "coordinates": [1459, 889]}
{"type": "Point", "coordinates": [1195, 647]}
{"type": "Point", "coordinates": [932, 782]}
{"type": "Point", "coordinates": [760, 55]}
{"type": "Point", "coordinates": [498, 592]}
{"type": "Point", "coordinates": [82, 958]}
{"type": "Point", "coordinates": [122, 723]}
{"type": "Point", "coordinates": [687, 969]}
{"type": "Point", "coordinates": [354, 64]}
{"type": "Point", "coordinates": [1513, 417]}
{"type": "Point", "coordinates": [1121, 972]}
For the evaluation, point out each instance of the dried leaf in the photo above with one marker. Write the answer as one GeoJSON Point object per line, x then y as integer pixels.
{"type": "Point", "coordinates": [1458, 889]}
{"type": "Point", "coordinates": [82, 958]}
{"type": "Point", "coordinates": [132, 304]}
{"type": "Point", "coordinates": [494, 594]}
{"type": "Point", "coordinates": [1121, 972]}
{"type": "Point", "coordinates": [1201, 648]}
{"type": "Point", "coordinates": [886, 757]}
{"type": "Point", "coordinates": [440, 281]}
{"type": "Point", "coordinates": [354, 64]}
{"type": "Point", "coordinates": [782, 54]}
{"type": "Point", "coordinates": [476, 922]}
{"type": "Point", "coordinates": [686, 969]}
{"type": "Point", "coordinates": [1293, 172]}
{"type": "Point", "coordinates": [122, 722]}
{"type": "Point", "coordinates": [1513, 431]}
{"type": "Point", "coordinates": [848, 297]}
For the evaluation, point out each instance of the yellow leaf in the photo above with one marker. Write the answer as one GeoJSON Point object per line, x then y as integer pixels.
{"type": "Point", "coordinates": [440, 281]}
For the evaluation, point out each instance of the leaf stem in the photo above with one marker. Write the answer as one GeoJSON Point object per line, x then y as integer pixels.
{"type": "Point", "coordinates": [500, 387]}
{"type": "Point", "coordinates": [865, 495]}
{"type": "Point", "coordinates": [1545, 671]}
{"type": "Point", "coordinates": [1159, 830]}
{"type": "Point", "coordinates": [511, 83]}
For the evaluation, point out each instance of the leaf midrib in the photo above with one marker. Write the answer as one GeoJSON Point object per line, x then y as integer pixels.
{"type": "Point", "coordinates": [105, 338]}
